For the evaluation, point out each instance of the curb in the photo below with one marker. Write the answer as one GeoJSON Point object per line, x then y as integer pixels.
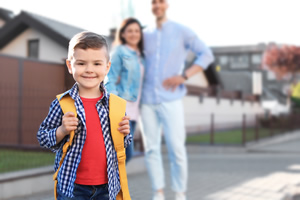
{"type": "Point", "coordinates": [261, 145]}
{"type": "Point", "coordinates": [38, 180]}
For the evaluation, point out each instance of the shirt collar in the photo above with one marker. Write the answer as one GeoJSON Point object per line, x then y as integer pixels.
{"type": "Point", "coordinates": [165, 23]}
{"type": "Point", "coordinates": [129, 48]}
{"type": "Point", "coordinates": [74, 93]}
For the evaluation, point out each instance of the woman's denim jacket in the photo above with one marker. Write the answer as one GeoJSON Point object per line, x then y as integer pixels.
{"type": "Point", "coordinates": [124, 77]}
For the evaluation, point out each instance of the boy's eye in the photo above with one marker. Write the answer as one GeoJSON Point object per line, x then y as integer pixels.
{"type": "Point", "coordinates": [80, 63]}
{"type": "Point", "coordinates": [97, 63]}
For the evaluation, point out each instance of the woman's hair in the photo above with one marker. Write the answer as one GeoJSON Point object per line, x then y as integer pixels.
{"type": "Point", "coordinates": [284, 56]}
{"type": "Point", "coordinates": [87, 40]}
{"type": "Point", "coordinates": [119, 39]}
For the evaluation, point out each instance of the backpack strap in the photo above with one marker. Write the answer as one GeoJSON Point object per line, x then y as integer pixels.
{"type": "Point", "coordinates": [67, 104]}
{"type": "Point", "coordinates": [117, 109]}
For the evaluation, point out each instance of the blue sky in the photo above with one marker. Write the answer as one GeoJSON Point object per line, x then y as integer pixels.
{"type": "Point", "coordinates": [217, 22]}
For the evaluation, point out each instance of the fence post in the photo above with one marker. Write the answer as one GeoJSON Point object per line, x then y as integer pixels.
{"type": "Point", "coordinates": [291, 120]}
{"type": "Point", "coordinates": [270, 126]}
{"type": "Point", "coordinates": [20, 101]}
{"type": "Point", "coordinates": [281, 123]}
{"type": "Point", "coordinates": [256, 127]}
{"type": "Point", "coordinates": [212, 129]}
{"type": "Point", "coordinates": [244, 130]}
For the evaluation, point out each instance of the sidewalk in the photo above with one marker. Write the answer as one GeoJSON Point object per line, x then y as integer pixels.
{"type": "Point", "coordinates": [268, 170]}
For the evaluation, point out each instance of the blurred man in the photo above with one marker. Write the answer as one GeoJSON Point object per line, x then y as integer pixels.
{"type": "Point", "coordinates": [166, 47]}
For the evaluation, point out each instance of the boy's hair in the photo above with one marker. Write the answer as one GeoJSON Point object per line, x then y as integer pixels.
{"type": "Point", "coordinates": [87, 40]}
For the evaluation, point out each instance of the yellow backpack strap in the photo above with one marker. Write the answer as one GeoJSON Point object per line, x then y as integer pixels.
{"type": "Point", "coordinates": [117, 109]}
{"type": "Point", "coordinates": [67, 104]}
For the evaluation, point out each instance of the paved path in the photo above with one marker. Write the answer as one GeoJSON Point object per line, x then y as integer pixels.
{"type": "Point", "coordinates": [269, 173]}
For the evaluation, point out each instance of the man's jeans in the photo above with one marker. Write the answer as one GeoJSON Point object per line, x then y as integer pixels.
{"type": "Point", "coordinates": [170, 117]}
{"type": "Point", "coordinates": [87, 192]}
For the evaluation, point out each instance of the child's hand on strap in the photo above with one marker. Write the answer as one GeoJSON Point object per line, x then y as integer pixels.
{"type": "Point", "coordinates": [124, 125]}
{"type": "Point", "coordinates": [69, 123]}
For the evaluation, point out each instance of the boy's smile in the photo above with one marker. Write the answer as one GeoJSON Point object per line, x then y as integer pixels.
{"type": "Point", "coordinates": [89, 68]}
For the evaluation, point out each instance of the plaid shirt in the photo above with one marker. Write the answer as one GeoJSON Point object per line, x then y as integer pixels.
{"type": "Point", "coordinates": [67, 173]}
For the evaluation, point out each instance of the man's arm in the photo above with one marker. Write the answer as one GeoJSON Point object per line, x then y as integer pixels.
{"type": "Point", "coordinates": [173, 82]}
{"type": "Point", "coordinates": [204, 57]}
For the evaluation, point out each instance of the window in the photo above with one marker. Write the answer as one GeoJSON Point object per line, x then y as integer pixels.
{"type": "Point", "coordinates": [239, 61]}
{"type": "Point", "coordinates": [33, 49]}
{"type": "Point", "coordinates": [271, 75]}
{"type": "Point", "coordinates": [223, 60]}
{"type": "Point", "coordinates": [256, 59]}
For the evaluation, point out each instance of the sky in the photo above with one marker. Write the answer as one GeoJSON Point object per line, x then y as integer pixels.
{"type": "Point", "coordinates": [217, 22]}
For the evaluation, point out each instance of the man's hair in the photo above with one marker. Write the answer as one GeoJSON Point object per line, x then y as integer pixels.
{"type": "Point", "coordinates": [87, 40]}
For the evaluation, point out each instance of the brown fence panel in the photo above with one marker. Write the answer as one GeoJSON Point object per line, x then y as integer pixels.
{"type": "Point", "coordinates": [9, 96]}
{"type": "Point", "coordinates": [41, 82]}
{"type": "Point", "coordinates": [26, 91]}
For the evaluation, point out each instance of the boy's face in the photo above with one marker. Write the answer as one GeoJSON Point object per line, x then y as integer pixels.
{"type": "Point", "coordinates": [89, 68]}
{"type": "Point", "coordinates": [159, 8]}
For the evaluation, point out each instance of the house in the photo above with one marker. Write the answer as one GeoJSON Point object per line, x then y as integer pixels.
{"type": "Point", "coordinates": [33, 36]}
{"type": "Point", "coordinates": [239, 63]}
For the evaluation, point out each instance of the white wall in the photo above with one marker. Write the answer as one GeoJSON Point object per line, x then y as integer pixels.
{"type": "Point", "coordinates": [226, 115]}
{"type": "Point", "coordinates": [198, 79]}
{"type": "Point", "coordinates": [49, 50]}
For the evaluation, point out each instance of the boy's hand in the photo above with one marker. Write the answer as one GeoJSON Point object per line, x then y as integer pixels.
{"type": "Point", "coordinates": [69, 123]}
{"type": "Point", "coordinates": [124, 125]}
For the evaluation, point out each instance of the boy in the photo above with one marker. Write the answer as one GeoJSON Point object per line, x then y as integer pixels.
{"type": "Point", "coordinates": [90, 168]}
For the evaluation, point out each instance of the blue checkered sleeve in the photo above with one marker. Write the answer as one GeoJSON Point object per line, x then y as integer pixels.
{"type": "Point", "coordinates": [46, 134]}
{"type": "Point", "coordinates": [127, 140]}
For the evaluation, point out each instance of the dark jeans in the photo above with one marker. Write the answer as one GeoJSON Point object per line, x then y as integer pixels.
{"type": "Point", "coordinates": [87, 192]}
{"type": "Point", "coordinates": [130, 148]}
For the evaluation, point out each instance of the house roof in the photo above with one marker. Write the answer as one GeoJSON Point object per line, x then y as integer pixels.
{"type": "Point", "coordinates": [6, 15]}
{"type": "Point", "coordinates": [239, 49]}
{"type": "Point", "coordinates": [57, 31]}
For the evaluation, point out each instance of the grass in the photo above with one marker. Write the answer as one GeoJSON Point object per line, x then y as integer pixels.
{"type": "Point", "coordinates": [14, 160]}
{"type": "Point", "coordinates": [233, 137]}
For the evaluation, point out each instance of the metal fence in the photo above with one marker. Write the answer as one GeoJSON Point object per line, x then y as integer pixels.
{"type": "Point", "coordinates": [249, 128]}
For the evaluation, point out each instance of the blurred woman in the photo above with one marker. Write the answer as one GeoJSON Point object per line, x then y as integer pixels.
{"type": "Point", "coordinates": [127, 71]}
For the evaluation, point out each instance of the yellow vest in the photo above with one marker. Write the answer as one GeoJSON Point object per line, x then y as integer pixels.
{"type": "Point", "coordinates": [296, 90]}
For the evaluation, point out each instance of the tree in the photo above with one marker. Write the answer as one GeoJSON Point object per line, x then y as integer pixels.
{"type": "Point", "coordinates": [283, 60]}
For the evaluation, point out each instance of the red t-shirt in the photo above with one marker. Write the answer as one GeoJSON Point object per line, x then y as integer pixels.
{"type": "Point", "coordinates": [92, 169]}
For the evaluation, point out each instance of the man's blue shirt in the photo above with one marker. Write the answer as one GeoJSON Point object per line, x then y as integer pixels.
{"type": "Point", "coordinates": [166, 49]}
